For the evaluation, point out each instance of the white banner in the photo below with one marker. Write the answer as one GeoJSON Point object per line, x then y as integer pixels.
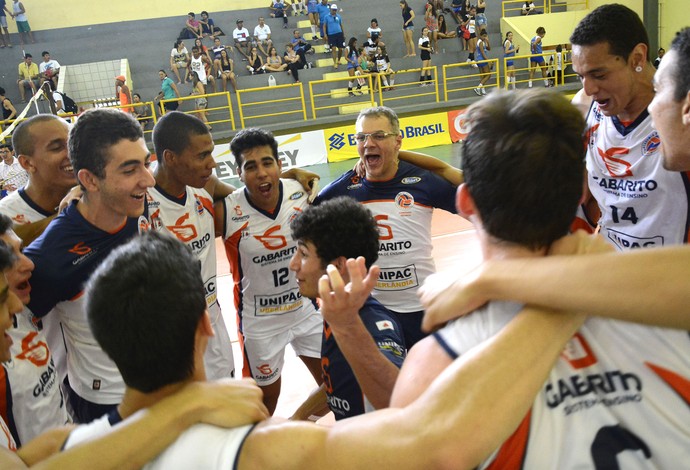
{"type": "Point", "coordinates": [294, 150]}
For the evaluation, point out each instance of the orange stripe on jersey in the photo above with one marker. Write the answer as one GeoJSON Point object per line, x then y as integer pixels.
{"type": "Point", "coordinates": [207, 204]}
{"type": "Point", "coordinates": [511, 455]}
{"type": "Point", "coordinates": [4, 412]}
{"type": "Point", "coordinates": [679, 384]}
{"type": "Point", "coordinates": [76, 296]}
{"type": "Point", "coordinates": [246, 368]}
{"type": "Point", "coordinates": [232, 245]}
{"type": "Point", "coordinates": [579, 224]}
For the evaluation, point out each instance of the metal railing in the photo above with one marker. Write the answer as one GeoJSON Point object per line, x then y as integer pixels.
{"type": "Point", "coordinates": [413, 88]}
{"type": "Point", "coordinates": [457, 79]}
{"type": "Point", "coordinates": [514, 7]}
{"type": "Point", "coordinates": [217, 111]}
{"type": "Point", "coordinates": [244, 106]}
{"type": "Point", "coordinates": [322, 91]}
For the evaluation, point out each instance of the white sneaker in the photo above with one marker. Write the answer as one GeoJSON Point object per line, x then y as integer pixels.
{"type": "Point", "coordinates": [478, 91]}
{"type": "Point", "coordinates": [483, 91]}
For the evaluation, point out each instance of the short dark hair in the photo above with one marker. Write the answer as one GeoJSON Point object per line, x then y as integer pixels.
{"type": "Point", "coordinates": [143, 304]}
{"type": "Point", "coordinates": [204, 12]}
{"type": "Point", "coordinates": [7, 146]}
{"type": "Point", "coordinates": [191, 13]}
{"type": "Point", "coordinates": [172, 132]}
{"type": "Point", "coordinates": [338, 227]}
{"type": "Point", "coordinates": [2, 91]}
{"type": "Point", "coordinates": [45, 52]}
{"type": "Point", "coordinates": [94, 133]}
{"type": "Point", "coordinates": [525, 180]}
{"type": "Point", "coordinates": [250, 138]}
{"type": "Point", "coordinates": [22, 139]}
{"type": "Point", "coordinates": [541, 30]}
{"type": "Point", "coordinates": [681, 69]}
{"type": "Point", "coordinates": [27, 55]}
{"type": "Point", "coordinates": [614, 24]}
{"type": "Point", "coordinates": [5, 224]}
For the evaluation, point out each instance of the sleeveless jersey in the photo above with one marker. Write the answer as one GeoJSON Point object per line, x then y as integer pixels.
{"type": "Point", "coordinates": [402, 207]}
{"type": "Point", "coordinates": [259, 247]}
{"type": "Point", "coordinates": [65, 255]}
{"type": "Point", "coordinates": [618, 397]}
{"type": "Point", "coordinates": [197, 65]}
{"type": "Point", "coordinates": [33, 389]}
{"type": "Point", "coordinates": [536, 46]}
{"type": "Point", "coordinates": [201, 446]}
{"type": "Point", "coordinates": [345, 397]}
{"type": "Point", "coordinates": [21, 209]}
{"type": "Point", "coordinates": [190, 219]}
{"type": "Point", "coordinates": [478, 52]}
{"type": "Point", "coordinates": [642, 204]}
{"type": "Point", "coordinates": [511, 48]}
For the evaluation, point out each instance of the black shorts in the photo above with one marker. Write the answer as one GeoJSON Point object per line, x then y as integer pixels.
{"type": "Point", "coordinates": [336, 40]}
{"type": "Point", "coordinates": [171, 105]}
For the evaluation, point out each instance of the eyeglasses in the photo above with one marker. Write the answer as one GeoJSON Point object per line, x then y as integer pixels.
{"type": "Point", "coordinates": [377, 136]}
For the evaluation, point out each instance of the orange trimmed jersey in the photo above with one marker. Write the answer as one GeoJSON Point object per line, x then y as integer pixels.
{"type": "Point", "coordinates": [189, 218]}
{"type": "Point", "coordinates": [642, 205]}
{"type": "Point", "coordinates": [618, 397]}
{"type": "Point", "coordinates": [259, 247]}
{"type": "Point", "coordinates": [21, 208]}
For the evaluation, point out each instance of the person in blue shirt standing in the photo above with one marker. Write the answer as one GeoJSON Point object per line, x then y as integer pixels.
{"type": "Point", "coordinates": [334, 34]}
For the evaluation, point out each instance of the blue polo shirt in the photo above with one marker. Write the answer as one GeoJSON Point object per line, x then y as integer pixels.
{"type": "Point", "coordinates": [333, 24]}
{"type": "Point", "coordinates": [324, 11]}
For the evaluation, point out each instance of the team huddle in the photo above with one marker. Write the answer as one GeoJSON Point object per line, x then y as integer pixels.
{"type": "Point", "coordinates": [566, 360]}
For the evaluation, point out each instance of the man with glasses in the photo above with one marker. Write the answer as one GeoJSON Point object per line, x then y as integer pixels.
{"type": "Point", "coordinates": [402, 197]}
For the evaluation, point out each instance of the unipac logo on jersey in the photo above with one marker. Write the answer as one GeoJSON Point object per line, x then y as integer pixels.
{"type": "Point", "coordinates": [297, 195]}
{"type": "Point", "coordinates": [404, 200]}
{"type": "Point", "coordinates": [411, 180]}
{"type": "Point", "coordinates": [651, 144]}
{"type": "Point", "coordinates": [618, 168]}
{"type": "Point", "coordinates": [337, 141]}
{"type": "Point", "coordinates": [271, 241]}
{"type": "Point", "coordinates": [144, 225]}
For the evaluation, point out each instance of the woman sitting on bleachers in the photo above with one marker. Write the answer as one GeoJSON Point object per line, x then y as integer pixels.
{"type": "Point", "coordinates": [255, 63]}
{"type": "Point", "coordinates": [293, 61]}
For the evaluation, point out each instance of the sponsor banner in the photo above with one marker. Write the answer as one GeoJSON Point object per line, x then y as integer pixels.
{"type": "Point", "coordinates": [458, 125]}
{"type": "Point", "coordinates": [417, 132]}
{"type": "Point", "coordinates": [294, 150]}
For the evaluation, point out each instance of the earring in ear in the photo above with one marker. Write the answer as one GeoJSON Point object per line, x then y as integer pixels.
{"type": "Point", "coordinates": [638, 69]}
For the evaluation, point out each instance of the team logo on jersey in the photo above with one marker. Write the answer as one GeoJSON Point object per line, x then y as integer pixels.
{"type": "Point", "coordinates": [144, 225]}
{"type": "Point", "coordinates": [598, 116]}
{"type": "Point", "coordinates": [404, 200]}
{"type": "Point", "coordinates": [199, 207]}
{"type": "Point", "coordinates": [297, 211]}
{"type": "Point", "coordinates": [20, 219]}
{"type": "Point", "coordinates": [183, 232]}
{"type": "Point", "coordinates": [578, 353]}
{"type": "Point", "coordinates": [651, 144]}
{"type": "Point", "coordinates": [80, 249]}
{"type": "Point", "coordinates": [297, 195]}
{"type": "Point", "coordinates": [272, 241]}
{"type": "Point", "coordinates": [238, 211]}
{"type": "Point", "coordinates": [411, 180]}
{"type": "Point", "coordinates": [384, 325]}
{"type": "Point", "coordinates": [616, 167]}
{"type": "Point", "coordinates": [36, 352]}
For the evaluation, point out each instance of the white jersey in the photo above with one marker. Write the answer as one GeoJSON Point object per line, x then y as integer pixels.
{"type": "Point", "coordinates": [21, 209]}
{"type": "Point", "coordinates": [202, 446]}
{"type": "Point", "coordinates": [34, 383]}
{"type": "Point", "coordinates": [190, 219]}
{"type": "Point", "coordinates": [642, 204]}
{"type": "Point", "coordinates": [197, 65]}
{"type": "Point", "coordinates": [259, 246]}
{"type": "Point", "coordinates": [618, 397]}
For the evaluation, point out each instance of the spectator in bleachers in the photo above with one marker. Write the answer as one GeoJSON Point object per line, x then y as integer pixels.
{"type": "Point", "coordinates": [256, 64]}
{"type": "Point", "coordinates": [299, 7]}
{"type": "Point", "coordinates": [335, 34]}
{"type": "Point", "coordinates": [469, 22]}
{"type": "Point", "coordinates": [4, 38]}
{"type": "Point", "coordinates": [201, 64]}
{"type": "Point", "coordinates": [193, 26]}
{"type": "Point", "coordinates": [294, 62]}
{"type": "Point", "coordinates": [443, 32]}
{"type": "Point", "coordinates": [484, 66]}
{"type": "Point", "coordinates": [227, 71]}
{"type": "Point", "coordinates": [407, 27]}
{"type": "Point", "coordinates": [8, 111]}
{"type": "Point", "coordinates": [208, 27]}
{"type": "Point", "coordinates": [123, 93]}
{"type": "Point", "coordinates": [366, 61]}
{"type": "Point", "coordinates": [277, 8]}
{"type": "Point", "coordinates": [313, 12]}
{"type": "Point", "coordinates": [274, 63]}
{"type": "Point", "coordinates": [10, 169]}
{"type": "Point", "coordinates": [374, 29]}
{"type": "Point", "coordinates": [262, 36]}
{"type": "Point", "coordinates": [537, 60]}
{"type": "Point", "coordinates": [530, 9]}
{"type": "Point", "coordinates": [659, 56]}
{"type": "Point", "coordinates": [141, 111]}
{"type": "Point", "coordinates": [49, 68]}
{"type": "Point", "coordinates": [217, 48]}
{"type": "Point", "coordinates": [353, 68]}
{"type": "Point", "coordinates": [28, 76]}
{"type": "Point", "coordinates": [481, 15]}
{"type": "Point", "coordinates": [384, 69]}
{"type": "Point", "coordinates": [241, 37]}
{"type": "Point", "coordinates": [425, 51]}
{"type": "Point", "coordinates": [324, 10]}
{"type": "Point", "coordinates": [204, 51]}
{"type": "Point", "coordinates": [200, 103]}
{"type": "Point", "coordinates": [509, 50]}
{"type": "Point", "coordinates": [179, 59]}
{"type": "Point", "coordinates": [432, 24]}
{"type": "Point", "coordinates": [300, 45]}
{"type": "Point", "coordinates": [168, 92]}
{"type": "Point", "coordinates": [19, 15]}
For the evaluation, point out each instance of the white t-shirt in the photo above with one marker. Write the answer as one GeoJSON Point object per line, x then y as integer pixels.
{"type": "Point", "coordinates": [51, 64]}
{"type": "Point", "coordinates": [240, 35]}
{"type": "Point", "coordinates": [262, 33]}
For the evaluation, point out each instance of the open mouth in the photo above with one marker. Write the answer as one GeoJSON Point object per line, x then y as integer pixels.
{"type": "Point", "coordinates": [68, 168]}
{"type": "Point", "coordinates": [265, 188]}
{"type": "Point", "coordinates": [139, 197]}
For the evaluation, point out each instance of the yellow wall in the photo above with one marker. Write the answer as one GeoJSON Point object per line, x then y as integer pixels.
{"type": "Point", "coordinates": [635, 5]}
{"type": "Point", "coordinates": [673, 16]}
{"type": "Point", "coordinates": [66, 13]}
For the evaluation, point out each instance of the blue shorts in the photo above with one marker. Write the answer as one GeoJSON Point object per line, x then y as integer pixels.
{"type": "Point", "coordinates": [509, 63]}
{"type": "Point", "coordinates": [537, 60]}
{"type": "Point", "coordinates": [409, 27]}
{"type": "Point", "coordinates": [481, 19]}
